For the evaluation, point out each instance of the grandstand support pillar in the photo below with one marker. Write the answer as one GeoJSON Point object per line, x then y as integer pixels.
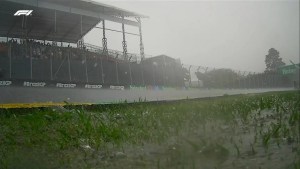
{"type": "Point", "coordinates": [104, 50]}
{"type": "Point", "coordinates": [124, 43]}
{"type": "Point", "coordinates": [142, 52]}
{"type": "Point", "coordinates": [104, 40]}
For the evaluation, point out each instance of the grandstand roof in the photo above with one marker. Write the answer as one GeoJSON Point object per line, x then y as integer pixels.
{"type": "Point", "coordinates": [58, 20]}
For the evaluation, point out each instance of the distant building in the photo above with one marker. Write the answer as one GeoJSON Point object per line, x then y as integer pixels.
{"type": "Point", "coordinates": [166, 71]}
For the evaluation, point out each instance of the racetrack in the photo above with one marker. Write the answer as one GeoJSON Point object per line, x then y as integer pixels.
{"type": "Point", "coordinates": [24, 95]}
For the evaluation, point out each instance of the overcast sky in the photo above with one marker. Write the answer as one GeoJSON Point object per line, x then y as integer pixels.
{"type": "Point", "coordinates": [229, 34]}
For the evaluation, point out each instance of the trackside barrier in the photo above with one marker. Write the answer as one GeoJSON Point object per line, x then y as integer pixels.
{"type": "Point", "coordinates": [55, 84]}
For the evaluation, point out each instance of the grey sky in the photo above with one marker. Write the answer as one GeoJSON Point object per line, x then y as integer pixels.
{"type": "Point", "coordinates": [230, 34]}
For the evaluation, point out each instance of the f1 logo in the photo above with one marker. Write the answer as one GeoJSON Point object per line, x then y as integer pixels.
{"type": "Point", "coordinates": [23, 12]}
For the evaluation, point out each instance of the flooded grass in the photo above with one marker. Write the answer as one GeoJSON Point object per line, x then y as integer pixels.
{"type": "Point", "coordinates": [243, 131]}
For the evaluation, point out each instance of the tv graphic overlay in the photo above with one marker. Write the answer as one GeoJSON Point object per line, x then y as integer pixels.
{"type": "Point", "coordinates": [23, 12]}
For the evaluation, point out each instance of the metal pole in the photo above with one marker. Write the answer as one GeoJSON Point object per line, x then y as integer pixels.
{"type": "Point", "coordinates": [30, 61]}
{"type": "Point", "coordinates": [51, 57]}
{"type": "Point", "coordinates": [190, 75]}
{"type": "Point", "coordinates": [164, 71]}
{"type": "Point", "coordinates": [124, 43]}
{"type": "Point", "coordinates": [130, 72]}
{"type": "Point", "coordinates": [80, 26]}
{"type": "Point", "coordinates": [117, 73]}
{"type": "Point", "coordinates": [239, 79]}
{"type": "Point", "coordinates": [104, 50]}
{"type": "Point", "coordinates": [102, 78]}
{"type": "Point", "coordinates": [104, 40]}
{"type": "Point", "coordinates": [55, 21]}
{"type": "Point", "coordinates": [9, 55]}
{"type": "Point", "coordinates": [86, 70]}
{"type": "Point", "coordinates": [197, 77]}
{"type": "Point", "coordinates": [154, 81]}
{"type": "Point", "coordinates": [142, 70]}
{"type": "Point", "coordinates": [69, 66]}
{"type": "Point", "coordinates": [51, 67]}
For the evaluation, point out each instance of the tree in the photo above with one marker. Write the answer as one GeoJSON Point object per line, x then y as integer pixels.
{"type": "Point", "coordinates": [218, 78]}
{"type": "Point", "coordinates": [273, 61]}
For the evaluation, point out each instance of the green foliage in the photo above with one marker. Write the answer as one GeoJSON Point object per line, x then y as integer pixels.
{"type": "Point", "coordinates": [273, 61]}
{"type": "Point", "coordinates": [205, 129]}
{"type": "Point", "coordinates": [218, 78]}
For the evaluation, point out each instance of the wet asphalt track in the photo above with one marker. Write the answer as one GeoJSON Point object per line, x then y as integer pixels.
{"type": "Point", "coordinates": [78, 95]}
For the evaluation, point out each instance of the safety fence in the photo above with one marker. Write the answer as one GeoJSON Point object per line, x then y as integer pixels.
{"type": "Point", "coordinates": [32, 62]}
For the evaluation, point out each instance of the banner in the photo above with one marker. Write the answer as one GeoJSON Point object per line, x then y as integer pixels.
{"type": "Point", "coordinates": [5, 83]}
{"type": "Point", "coordinates": [117, 87]}
{"type": "Point", "coordinates": [88, 86]}
{"type": "Point", "coordinates": [34, 84]}
{"type": "Point", "coordinates": [65, 85]}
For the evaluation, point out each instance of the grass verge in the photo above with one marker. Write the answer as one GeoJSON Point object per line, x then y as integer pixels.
{"type": "Point", "coordinates": [223, 132]}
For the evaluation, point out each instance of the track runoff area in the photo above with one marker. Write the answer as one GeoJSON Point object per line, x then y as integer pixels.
{"type": "Point", "coordinates": [45, 62]}
{"type": "Point", "coordinates": [20, 97]}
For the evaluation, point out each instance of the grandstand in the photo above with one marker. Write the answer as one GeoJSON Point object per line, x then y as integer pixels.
{"type": "Point", "coordinates": [45, 46]}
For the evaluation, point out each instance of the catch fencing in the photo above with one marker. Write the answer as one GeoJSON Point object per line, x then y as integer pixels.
{"type": "Point", "coordinates": [37, 61]}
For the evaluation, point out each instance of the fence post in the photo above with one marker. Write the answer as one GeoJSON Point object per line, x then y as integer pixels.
{"type": "Point", "coordinates": [9, 55]}
{"type": "Point", "coordinates": [69, 65]}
